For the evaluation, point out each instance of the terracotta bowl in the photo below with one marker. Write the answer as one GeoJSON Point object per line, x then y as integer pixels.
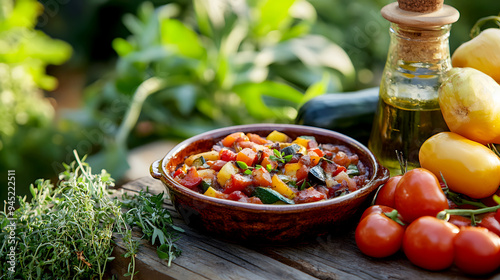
{"type": "Point", "coordinates": [246, 222]}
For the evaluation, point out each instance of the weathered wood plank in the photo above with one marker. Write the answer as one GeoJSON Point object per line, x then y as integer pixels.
{"type": "Point", "coordinates": [333, 256]}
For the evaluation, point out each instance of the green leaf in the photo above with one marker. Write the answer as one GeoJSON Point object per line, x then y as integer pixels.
{"type": "Point", "coordinates": [163, 251]}
{"type": "Point", "coordinates": [274, 15]}
{"type": "Point", "coordinates": [242, 165]}
{"type": "Point", "coordinates": [158, 233]}
{"type": "Point", "coordinates": [186, 42]}
{"type": "Point", "coordinates": [317, 89]}
{"type": "Point", "coordinates": [254, 94]}
{"type": "Point", "coordinates": [122, 46]}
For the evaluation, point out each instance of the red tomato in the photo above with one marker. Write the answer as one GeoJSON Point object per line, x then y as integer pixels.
{"type": "Point", "coordinates": [385, 195]}
{"type": "Point", "coordinates": [477, 250]}
{"type": "Point", "coordinates": [418, 194]}
{"type": "Point", "coordinates": [377, 209]}
{"type": "Point", "coordinates": [428, 243]}
{"type": "Point", "coordinates": [489, 221]}
{"type": "Point", "coordinates": [227, 155]}
{"type": "Point", "coordinates": [378, 236]}
{"type": "Point", "coordinates": [262, 177]}
{"type": "Point", "coordinates": [309, 195]}
{"type": "Point", "coordinates": [237, 182]}
{"type": "Point", "coordinates": [191, 180]}
{"type": "Point", "coordinates": [459, 221]}
{"type": "Point", "coordinates": [257, 139]}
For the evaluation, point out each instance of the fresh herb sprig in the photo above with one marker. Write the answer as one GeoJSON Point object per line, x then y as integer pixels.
{"type": "Point", "coordinates": [280, 156]}
{"type": "Point", "coordinates": [65, 231]}
{"type": "Point", "coordinates": [248, 169]}
{"type": "Point", "coordinates": [146, 212]}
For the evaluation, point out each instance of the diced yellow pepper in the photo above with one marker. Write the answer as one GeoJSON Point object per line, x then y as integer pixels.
{"type": "Point", "coordinates": [301, 141]}
{"type": "Point", "coordinates": [211, 155]}
{"type": "Point", "coordinates": [277, 136]}
{"type": "Point", "coordinates": [280, 186]}
{"type": "Point", "coordinates": [291, 169]}
{"type": "Point", "coordinates": [225, 173]}
{"type": "Point", "coordinates": [211, 192]}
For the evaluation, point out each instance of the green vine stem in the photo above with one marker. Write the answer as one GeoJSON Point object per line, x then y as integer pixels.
{"type": "Point", "coordinates": [458, 199]}
{"type": "Point", "coordinates": [493, 147]}
{"type": "Point", "coordinates": [145, 89]}
{"type": "Point", "coordinates": [393, 215]}
{"type": "Point", "coordinates": [476, 29]}
{"type": "Point", "coordinates": [445, 214]}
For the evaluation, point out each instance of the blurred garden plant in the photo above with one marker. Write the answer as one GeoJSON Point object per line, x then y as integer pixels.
{"type": "Point", "coordinates": [208, 66]}
{"type": "Point", "coordinates": [28, 138]}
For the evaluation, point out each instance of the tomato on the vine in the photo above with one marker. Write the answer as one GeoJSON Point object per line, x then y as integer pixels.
{"type": "Point", "coordinates": [379, 236]}
{"type": "Point", "coordinates": [418, 194]}
{"type": "Point", "coordinates": [378, 209]}
{"type": "Point", "coordinates": [489, 221]}
{"type": "Point", "coordinates": [385, 195]}
{"type": "Point", "coordinates": [428, 243]}
{"type": "Point", "coordinates": [477, 250]}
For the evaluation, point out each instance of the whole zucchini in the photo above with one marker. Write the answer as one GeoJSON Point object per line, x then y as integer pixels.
{"type": "Point", "coordinates": [350, 113]}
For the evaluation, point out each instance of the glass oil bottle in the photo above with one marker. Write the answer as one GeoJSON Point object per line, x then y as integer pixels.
{"type": "Point", "coordinates": [408, 112]}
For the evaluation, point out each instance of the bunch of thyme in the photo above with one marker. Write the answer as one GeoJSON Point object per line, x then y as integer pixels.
{"type": "Point", "coordinates": [65, 232]}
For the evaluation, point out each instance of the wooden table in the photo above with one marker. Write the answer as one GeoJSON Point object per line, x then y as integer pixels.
{"type": "Point", "coordinates": [334, 256]}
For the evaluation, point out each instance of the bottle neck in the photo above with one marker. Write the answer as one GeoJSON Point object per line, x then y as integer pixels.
{"type": "Point", "coordinates": [422, 45]}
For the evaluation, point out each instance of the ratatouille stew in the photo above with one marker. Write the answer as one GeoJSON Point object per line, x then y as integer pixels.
{"type": "Point", "coordinates": [273, 170]}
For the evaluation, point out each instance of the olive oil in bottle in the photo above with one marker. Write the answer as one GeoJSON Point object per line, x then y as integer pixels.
{"type": "Point", "coordinates": [418, 58]}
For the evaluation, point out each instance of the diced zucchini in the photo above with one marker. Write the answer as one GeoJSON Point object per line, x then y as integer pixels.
{"type": "Point", "coordinates": [225, 173]}
{"type": "Point", "coordinates": [211, 155]}
{"type": "Point", "coordinates": [269, 196]}
{"type": "Point", "coordinates": [199, 162]}
{"type": "Point", "coordinates": [280, 186]}
{"type": "Point", "coordinates": [290, 150]}
{"type": "Point", "coordinates": [277, 136]}
{"type": "Point", "coordinates": [352, 170]}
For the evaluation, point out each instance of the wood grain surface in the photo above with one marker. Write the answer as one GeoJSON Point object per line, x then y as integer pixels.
{"type": "Point", "coordinates": [332, 256]}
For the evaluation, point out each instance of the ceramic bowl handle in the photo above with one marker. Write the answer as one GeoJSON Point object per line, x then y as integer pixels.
{"type": "Point", "coordinates": [155, 169]}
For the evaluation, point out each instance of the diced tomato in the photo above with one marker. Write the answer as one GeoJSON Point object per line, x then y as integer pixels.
{"type": "Point", "coordinates": [217, 165]}
{"type": "Point", "coordinates": [261, 177]}
{"type": "Point", "coordinates": [312, 144]}
{"type": "Point", "coordinates": [178, 172]}
{"type": "Point", "coordinates": [257, 139]}
{"type": "Point", "coordinates": [305, 160]}
{"type": "Point", "coordinates": [341, 158]}
{"type": "Point", "coordinates": [319, 152]}
{"type": "Point", "coordinates": [231, 138]}
{"type": "Point", "coordinates": [254, 200]}
{"type": "Point", "coordinates": [191, 180]}
{"type": "Point", "coordinates": [340, 168]}
{"type": "Point", "coordinates": [237, 196]}
{"type": "Point", "coordinates": [247, 156]}
{"type": "Point", "coordinates": [237, 183]}
{"type": "Point", "coordinates": [245, 144]}
{"type": "Point", "coordinates": [302, 172]}
{"type": "Point", "coordinates": [227, 155]}
{"type": "Point", "coordinates": [241, 197]}
{"type": "Point", "coordinates": [309, 195]}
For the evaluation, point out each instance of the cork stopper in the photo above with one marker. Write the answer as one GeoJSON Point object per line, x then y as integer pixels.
{"type": "Point", "coordinates": [421, 6]}
{"type": "Point", "coordinates": [420, 13]}
{"type": "Point", "coordinates": [424, 25]}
